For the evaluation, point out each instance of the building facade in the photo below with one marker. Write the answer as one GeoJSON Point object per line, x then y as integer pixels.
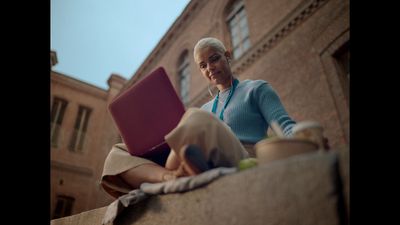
{"type": "Point", "coordinates": [81, 136]}
{"type": "Point", "coordinates": [301, 47]}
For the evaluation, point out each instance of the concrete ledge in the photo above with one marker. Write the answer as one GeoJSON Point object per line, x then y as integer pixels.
{"type": "Point", "coordinates": [92, 217]}
{"type": "Point", "coordinates": [299, 190]}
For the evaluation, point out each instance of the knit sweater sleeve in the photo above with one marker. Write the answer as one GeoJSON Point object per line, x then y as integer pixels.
{"type": "Point", "coordinates": [271, 107]}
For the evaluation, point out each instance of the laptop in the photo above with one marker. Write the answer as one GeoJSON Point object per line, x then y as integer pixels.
{"type": "Point", "coordinates": [145, 113]}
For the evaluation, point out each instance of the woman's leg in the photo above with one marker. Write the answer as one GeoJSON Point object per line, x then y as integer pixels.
{"type": "Point", "coordinates": [197, 127]}
{"type": "Point", "coordinates": [173, 161]}
{"type": "Point", "coordinates": [149, 173]}
{"type": "Point", "coordinates": [123, 172]}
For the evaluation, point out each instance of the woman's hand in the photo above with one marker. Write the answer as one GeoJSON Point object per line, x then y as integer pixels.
{"type": "Point", "coordinates": [172, 175]}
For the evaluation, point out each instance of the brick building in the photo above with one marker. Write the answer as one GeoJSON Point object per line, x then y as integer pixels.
{"type": "Point", "coordinates": [81, 136]}
{"type": "Point", "coordinates": [301, 47]}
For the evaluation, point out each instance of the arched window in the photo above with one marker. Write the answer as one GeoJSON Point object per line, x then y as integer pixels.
{"type": "Point", "coordinates": [238, 28]}
{"type": "Point", "coordinates": [184, 76]}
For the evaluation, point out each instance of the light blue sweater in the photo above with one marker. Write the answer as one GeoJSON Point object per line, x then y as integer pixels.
{"type": "Point", "coordinates": [253, 106]}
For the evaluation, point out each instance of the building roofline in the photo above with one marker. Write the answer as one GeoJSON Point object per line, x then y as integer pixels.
{"type": "Point", "coordinates": [165, 41]}
{"type": "Point", "coordinates": [80, 81]}
{"type": "Point", "coordinates": [79, 85]}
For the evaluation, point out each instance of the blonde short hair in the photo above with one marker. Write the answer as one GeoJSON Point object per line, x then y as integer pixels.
{"type": "Point", "coordinates": [209, 42]}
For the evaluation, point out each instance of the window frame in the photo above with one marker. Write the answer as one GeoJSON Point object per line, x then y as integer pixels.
{"type": "Point", "coordinates": [236, 12]}
{"type": "Point", "coordinates": [79, 132]}
{"type": "Point", "coordinates": [326, 47]}
{"type": "Point", "coordinates": [343, 73]}
{"type": "Point", "coordinates": [184, 77]}
{"type": "Point", "coordinates": [64, 204]}
{"type": "Point", "coordinates": [56, 119]}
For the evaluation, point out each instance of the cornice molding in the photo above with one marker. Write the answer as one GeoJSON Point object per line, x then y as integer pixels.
{"type": "Point", "coordinates": [277, 34]}
{"type": "Point", "coordinates": [79, 85]}
{"type": "Point", "coordinates": [304, 10]}
{"type": "Point", "coordinates": [71, 168]}
{"type": "Point", "coordinates": [167, 40]}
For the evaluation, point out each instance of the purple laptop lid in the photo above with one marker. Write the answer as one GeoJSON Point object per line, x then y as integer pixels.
{"type": "Point", "coordinates": [146, 112]}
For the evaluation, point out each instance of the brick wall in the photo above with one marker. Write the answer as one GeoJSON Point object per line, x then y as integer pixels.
{"type": "Point", "coordinates": [292, 46]}
{"type": "Point", "coordinates": [289, 49]}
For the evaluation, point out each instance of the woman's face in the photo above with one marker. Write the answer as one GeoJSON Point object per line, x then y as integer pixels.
{"type": "Point", "coordinates": [214, 65]}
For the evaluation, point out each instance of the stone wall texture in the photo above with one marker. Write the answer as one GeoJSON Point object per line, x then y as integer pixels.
{"type": "Point", "coordinates": [305, 189]}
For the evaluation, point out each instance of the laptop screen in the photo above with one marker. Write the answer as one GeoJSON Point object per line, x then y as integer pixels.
{"type": "Point", "coordinates": [147, 111]}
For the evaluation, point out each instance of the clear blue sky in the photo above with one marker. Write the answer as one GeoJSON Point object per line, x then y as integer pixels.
{"type": "Point", "coordinates": [94, 38]}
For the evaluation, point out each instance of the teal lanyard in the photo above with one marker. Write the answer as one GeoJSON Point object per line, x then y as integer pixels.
{"type": "Point", "coordinates": [215, 105]}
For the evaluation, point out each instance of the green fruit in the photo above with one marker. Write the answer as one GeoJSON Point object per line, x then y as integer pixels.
{"type": "Point", "coordinates": [247, 163]}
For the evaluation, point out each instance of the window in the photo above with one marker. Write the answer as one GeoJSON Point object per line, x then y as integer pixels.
{"type": "Point", "coordinates": [342, 58]}
{"type": "Point", "coordinates": [184, 77]}
{"type": "Point", "coordinates": [238, 28]}
{"type": "Point", "coordinates": [57, 115]}
{"type": "Point", "coordinates": [79, 132]}
{"type": "Point", "coordinates": [63, 206]}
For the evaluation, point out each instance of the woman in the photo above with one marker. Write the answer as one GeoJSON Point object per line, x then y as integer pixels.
{"type": "Point", "coordinates": [221, 133]}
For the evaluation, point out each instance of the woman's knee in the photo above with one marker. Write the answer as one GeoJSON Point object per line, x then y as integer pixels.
{"type": "Point", "coordinates": [149, 173]}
